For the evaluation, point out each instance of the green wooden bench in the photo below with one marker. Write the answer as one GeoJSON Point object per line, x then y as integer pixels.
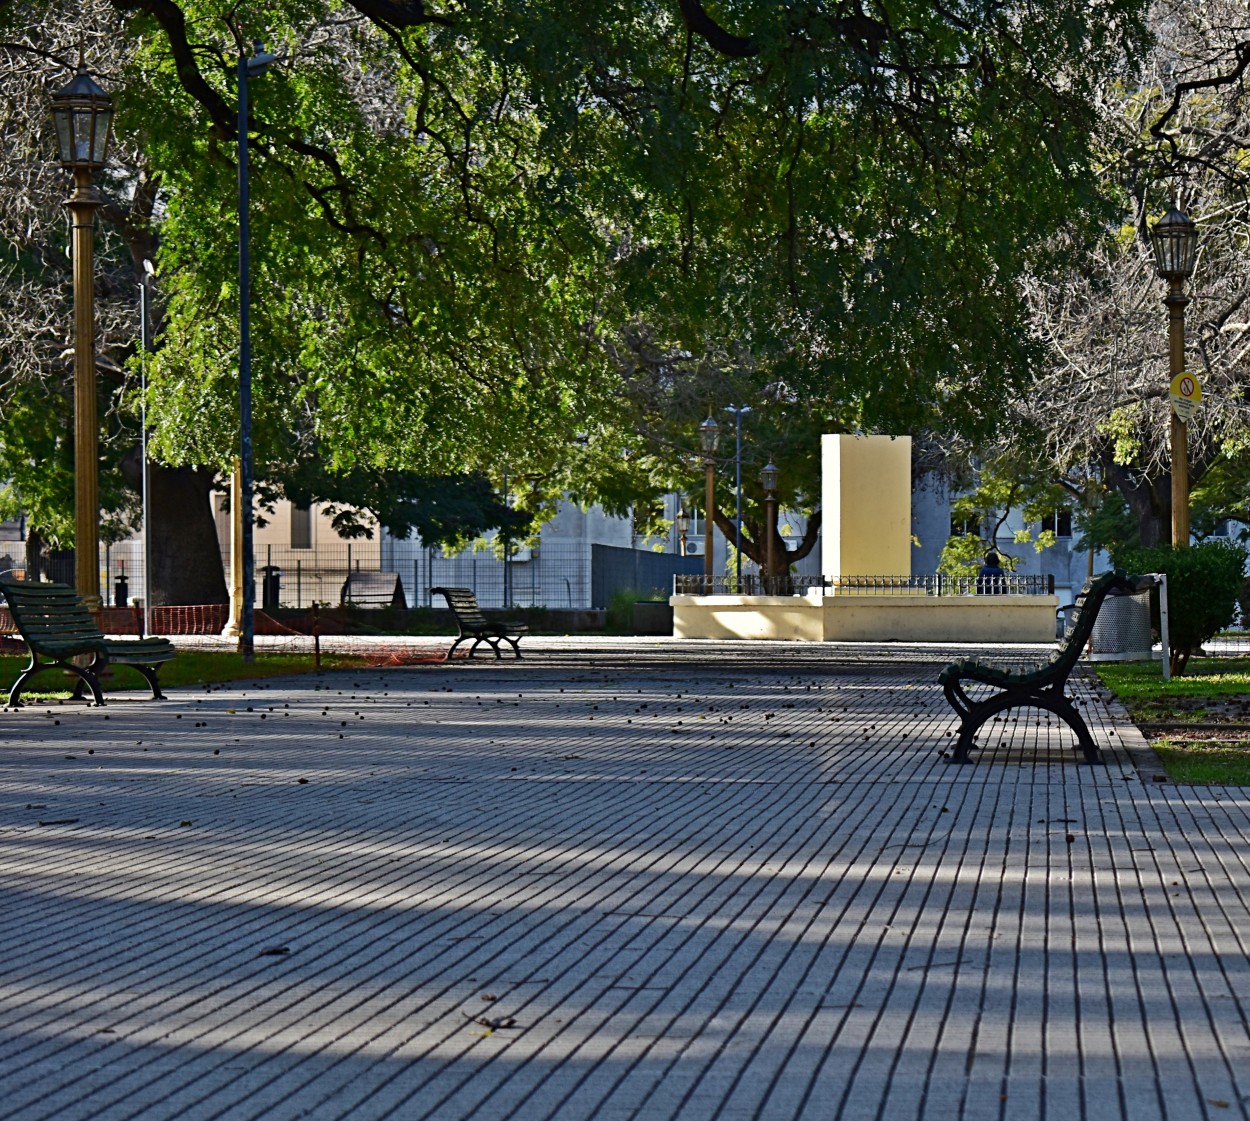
{"type": "Point", "coordinates": [57, 627]}
{"type": "Point", "coordinates": [1041, 686]}
{"type": "Point", "coordinates": [474, 625]}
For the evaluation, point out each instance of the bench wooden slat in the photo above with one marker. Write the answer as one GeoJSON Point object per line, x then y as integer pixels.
{"type": "Point", "coordinates": [56, 626]}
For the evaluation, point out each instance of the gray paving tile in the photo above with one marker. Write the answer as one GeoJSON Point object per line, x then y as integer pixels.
{"type": "Point", "coordinates": [614, 881]}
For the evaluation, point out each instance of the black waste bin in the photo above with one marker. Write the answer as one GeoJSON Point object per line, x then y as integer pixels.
{"type": "Point", "coordinates": [121, 590]}
{"type": "Point", "coordinates": [270, 587]}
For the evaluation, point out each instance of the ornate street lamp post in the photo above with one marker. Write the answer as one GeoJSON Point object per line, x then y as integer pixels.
{"type": "Point", "coordinates": [738, 410]}
{"type": "Point", "coordinates": [83, 112]}
{"type": "Point", "coordinates": [709, 438]}
{"type": "Point", "coordinates": [683, 527]}
{"type": "Point", "coordinates": [768, 478]}
{"type": "Point", "coordinates": [1175, 240]}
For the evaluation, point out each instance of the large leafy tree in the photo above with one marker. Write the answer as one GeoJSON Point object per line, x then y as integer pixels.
{"type": "Point", "coordinates": [464, 213]}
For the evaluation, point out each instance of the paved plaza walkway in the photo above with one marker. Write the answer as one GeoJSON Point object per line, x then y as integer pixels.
{"type": "Point", "coordinates": [613, 880]}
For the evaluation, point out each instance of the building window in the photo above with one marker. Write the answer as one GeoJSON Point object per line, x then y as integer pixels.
{"type": "Point", "coordinates": [301, 527]}
{"type": "Point", "coordinates": [965, 525]}
{"type": "Point", "coordinates": [1059, 522]}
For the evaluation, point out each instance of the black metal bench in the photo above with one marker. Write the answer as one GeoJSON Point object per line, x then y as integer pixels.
{"type": "Point", "coordinates": [57, 627]}
{"type": "Point", "coordinates": [1040, 686]}
{"type": "Point", "coordinates": [474, 625]}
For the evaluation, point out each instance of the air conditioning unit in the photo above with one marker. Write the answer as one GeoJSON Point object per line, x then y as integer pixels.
{"type": "Point", "coordinates": [523, 553]}
{"type": "Point", "coordinates": [694, 548]}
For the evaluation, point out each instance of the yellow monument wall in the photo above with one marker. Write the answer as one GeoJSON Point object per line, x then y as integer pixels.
{"type": "Point", "coordinates": [866, 502]}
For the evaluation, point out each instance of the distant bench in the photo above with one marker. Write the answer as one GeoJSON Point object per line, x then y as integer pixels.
{"type": "Point", "coordinates": [474, 625]}
{"type": "Point", "coordinates": [56, 627]}
{"type": "Point", "coordinates": [1043, 685]}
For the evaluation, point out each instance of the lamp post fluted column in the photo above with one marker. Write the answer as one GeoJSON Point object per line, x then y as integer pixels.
{"type": "Point", "coordinates": [82, 205]}
{"type": "Point", "coordinates": [768, 477]}
{"type": "Point", "coordinates": [709, 437]}
{"type": "Point", "coordinates": [738, 410]}
{"type": "Point", "coordinates": [1176, 302]}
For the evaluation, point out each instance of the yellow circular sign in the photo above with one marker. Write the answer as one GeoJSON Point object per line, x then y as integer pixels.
{"type": "Point", "coordinates": [1186, 394]}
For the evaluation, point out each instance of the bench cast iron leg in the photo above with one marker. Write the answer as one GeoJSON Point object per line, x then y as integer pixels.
{"type": "Point", "coordinates": [85, 677]}
{"type": "Point", "coordinates": [1052, 700]}
{"type": "Point", "coordinates": [149, 675]}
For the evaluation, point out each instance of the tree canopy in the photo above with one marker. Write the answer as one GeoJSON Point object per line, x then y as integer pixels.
{"type": "Point", "coordinates": [467, 215]}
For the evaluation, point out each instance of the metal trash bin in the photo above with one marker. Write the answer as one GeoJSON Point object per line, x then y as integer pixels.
{"type": "Point", "coordinates": [1122, 630]}
{"type": "Point", "coordinates": [270, 587]}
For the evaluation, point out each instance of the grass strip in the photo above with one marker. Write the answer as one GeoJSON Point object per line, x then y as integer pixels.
{"type": "Point", "coordinates": [1204, 677]}
{"type": "Point", "coordinates": [190, 667]}
{"type": "Point", "coordinates": [1216, 681]}
{"type": "Point", "coordinates": [1215, 764]}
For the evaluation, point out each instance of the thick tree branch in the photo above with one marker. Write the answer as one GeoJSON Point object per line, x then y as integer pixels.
{"type": "Point", "coordinates": [400, 13]}
{"type": "Point", "coordinates": [722, 41]}
{"type": "Point", "coordinates": [173, 22]}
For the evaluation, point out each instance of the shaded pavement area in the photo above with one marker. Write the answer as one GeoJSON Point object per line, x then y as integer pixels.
{"type": "Point", "coordinates": [647, 879]}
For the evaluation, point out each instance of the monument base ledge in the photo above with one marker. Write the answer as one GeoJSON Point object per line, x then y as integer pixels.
{"type": "Point", "coordinates": [904, 617]}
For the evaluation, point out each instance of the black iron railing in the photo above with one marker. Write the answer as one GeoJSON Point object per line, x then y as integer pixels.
{"type": "Point", "coordinates": [935, 585]}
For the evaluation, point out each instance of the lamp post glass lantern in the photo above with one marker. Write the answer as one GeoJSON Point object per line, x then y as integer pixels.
{"type": "Point", "coordinates": [83, 114]}
{"type": "Point", "coordinates": [709, 440]}
{"type": "Point", "coordinates": [683, 527]}
{"type": "Point", "coordinates": [1174, 239]}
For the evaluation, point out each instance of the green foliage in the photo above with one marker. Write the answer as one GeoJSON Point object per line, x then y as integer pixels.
{"type": "Point", "coordinates": [444, 510]}
{"type": "Point", "coordinates": [474, 242]}
{"type": "Point", "coordinates": [621, 606]}
{"type": "Point", "coordinates": [1224, 492]}
{"type": "Point", "coordinates": [1012, 478]}
{"type": "Point", "coordinates": [543, 181]}
{"type": "Point", "coordinates": [962, 556]}
{"type": "Point", "coordinates": [1204, 582]}
{"type": "Point", "coordinates": [1108, 525]}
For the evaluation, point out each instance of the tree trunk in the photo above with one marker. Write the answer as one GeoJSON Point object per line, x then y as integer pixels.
{"type": "Point", "coordinates": [1149, 499]}
{"type": "Point", "coordinates": [34, 555]}
{"type": "Point", "coordinates": [777, 582]}
{"type": "Point", "coordinates": [184, 554]}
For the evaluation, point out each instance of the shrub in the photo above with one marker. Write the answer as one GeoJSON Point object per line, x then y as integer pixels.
{"type": "Point", "coordinates": [1203, 585]}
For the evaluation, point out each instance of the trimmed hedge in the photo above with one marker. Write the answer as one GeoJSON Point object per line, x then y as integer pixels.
{"type": "Point", "coordinates": [1203, 584]}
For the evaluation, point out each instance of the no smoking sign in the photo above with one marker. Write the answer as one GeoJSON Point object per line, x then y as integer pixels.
{"type": "Point", "coordinates": [1186, 394]}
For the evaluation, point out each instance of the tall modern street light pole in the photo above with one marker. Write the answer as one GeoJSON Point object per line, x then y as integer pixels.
{"type": "Point", "coordinates": [1175, 240]}
{"type": "Point", "coordinates": [258, 63]}
{"type": "Point", "coordinates": [83, 113]}
{"type": "Point", "coordinates": [738, 410]}
{"type": "Point", "coordinates": [145, 286]}
{"type": "Point", "coordinates": [709, 438]}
